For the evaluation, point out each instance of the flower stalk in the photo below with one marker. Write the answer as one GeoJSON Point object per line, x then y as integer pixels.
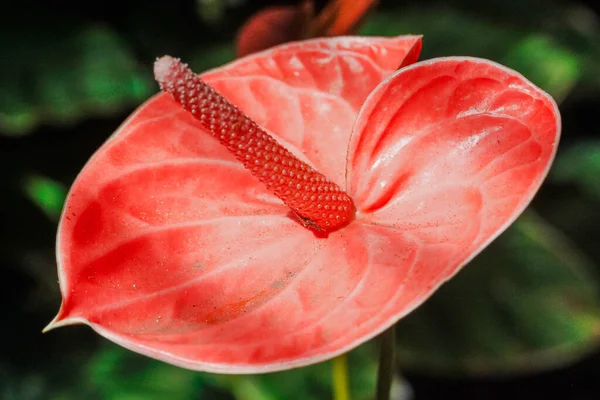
{"type": "Point", "coordinates": [341, 390]}
{"type": "Point", "coordinates": [385, 371]}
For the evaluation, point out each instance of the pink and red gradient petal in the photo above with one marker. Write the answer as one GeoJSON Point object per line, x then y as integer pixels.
{"type": "Point", "coordinates": [169, 247]}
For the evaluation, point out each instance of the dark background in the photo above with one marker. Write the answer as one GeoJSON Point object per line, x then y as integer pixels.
{"type": "Point", "coordinates": [71, 73]}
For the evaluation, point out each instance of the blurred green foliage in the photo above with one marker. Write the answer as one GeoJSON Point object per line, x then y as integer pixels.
{"type": "Point", "coordinates": [580, 164]}
{"type": "Point", "coordinates": [63, 71]}
{"type": "Point", "coordinates": [539, 54]}
{"type": "Point", "coordinates": [529, 302]}
{"type": "Point", "coordinates": [114, 373]}
{"type": "Point", "coordinates": [546, 63]}
{"type": "Point", "coordinates": [46, 193]}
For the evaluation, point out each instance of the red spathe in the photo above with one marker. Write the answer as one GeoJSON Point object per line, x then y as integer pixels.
{"type": "Point", "coordinates": [169, 247]}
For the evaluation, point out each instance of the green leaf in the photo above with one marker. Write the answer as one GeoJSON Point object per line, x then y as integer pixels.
{"type": "Point", "coordinates": [528, 302]}
{"type": "Point", "coordinates": [571, 199]}
{"type": "Point", "coordinates": [61, 73]}
{"type": "Point", "coordinates": [45, 193]}
{"type": "Point", "coordinates": [312, 382]}
{"type": "Point", "coordinates": [580, 165]}
{"type": "Point", "coordinates": [119, 374]}
{"type": "Point", "coordinates": [446, 31]}
{"type": "Point", "coordinates": [541, 54]}
{"type": "Point", "coordinates": [545, 63]}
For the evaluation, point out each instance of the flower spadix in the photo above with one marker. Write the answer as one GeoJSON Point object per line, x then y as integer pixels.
{"type": "Point", "coordinates": [170, 246]}
{"type": "Point", "coordinates": [319, 203]}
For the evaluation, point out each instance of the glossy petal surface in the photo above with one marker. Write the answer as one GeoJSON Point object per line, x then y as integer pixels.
{"type": "Point", "coordinates": [307, 94]}
{"type": "Point", "coordinates": [446, 154]}
{"type": "Point", "coordinates": [171, 248]}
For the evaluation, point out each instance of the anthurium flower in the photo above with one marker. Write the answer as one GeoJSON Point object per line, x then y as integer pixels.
{"type": "Point", "coordinates": [170, 247]}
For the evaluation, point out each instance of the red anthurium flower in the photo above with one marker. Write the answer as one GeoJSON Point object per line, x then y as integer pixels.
{"type": "Point", "coordinates": [170, 247]}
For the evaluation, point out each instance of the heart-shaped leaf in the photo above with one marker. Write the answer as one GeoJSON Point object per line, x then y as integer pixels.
{"type": "Point", "coordinates": [529, 302]}
{"type": "Point", "coordinates": [169, 247]}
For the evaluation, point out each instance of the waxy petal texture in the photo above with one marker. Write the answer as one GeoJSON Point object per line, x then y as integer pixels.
{"type": "Point", "coordinates": [169, 247]}
{"type": "Point", "coordinates": [449, 152]}
{"type": "Point", "coordinates": [308, 94]}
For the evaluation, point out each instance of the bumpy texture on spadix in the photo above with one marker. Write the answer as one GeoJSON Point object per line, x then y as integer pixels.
{"type": "Point", "coordinates": [170, 247]}
{"type": "Point", "coordinates": [319, 203]}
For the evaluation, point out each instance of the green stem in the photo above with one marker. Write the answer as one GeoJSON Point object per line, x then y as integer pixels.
{"type": "Point", "coordinates": [385, 372]}
{"type": "Point", "coordinates": [340, 378]}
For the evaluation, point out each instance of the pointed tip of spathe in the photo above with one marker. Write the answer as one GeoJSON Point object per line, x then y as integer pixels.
{"type": "Point", "coordinates": [59, 323]}
{"type": "Point", "coordinates": [51, 325]}
{"type": "Point", "coordinates": [62, 320]}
